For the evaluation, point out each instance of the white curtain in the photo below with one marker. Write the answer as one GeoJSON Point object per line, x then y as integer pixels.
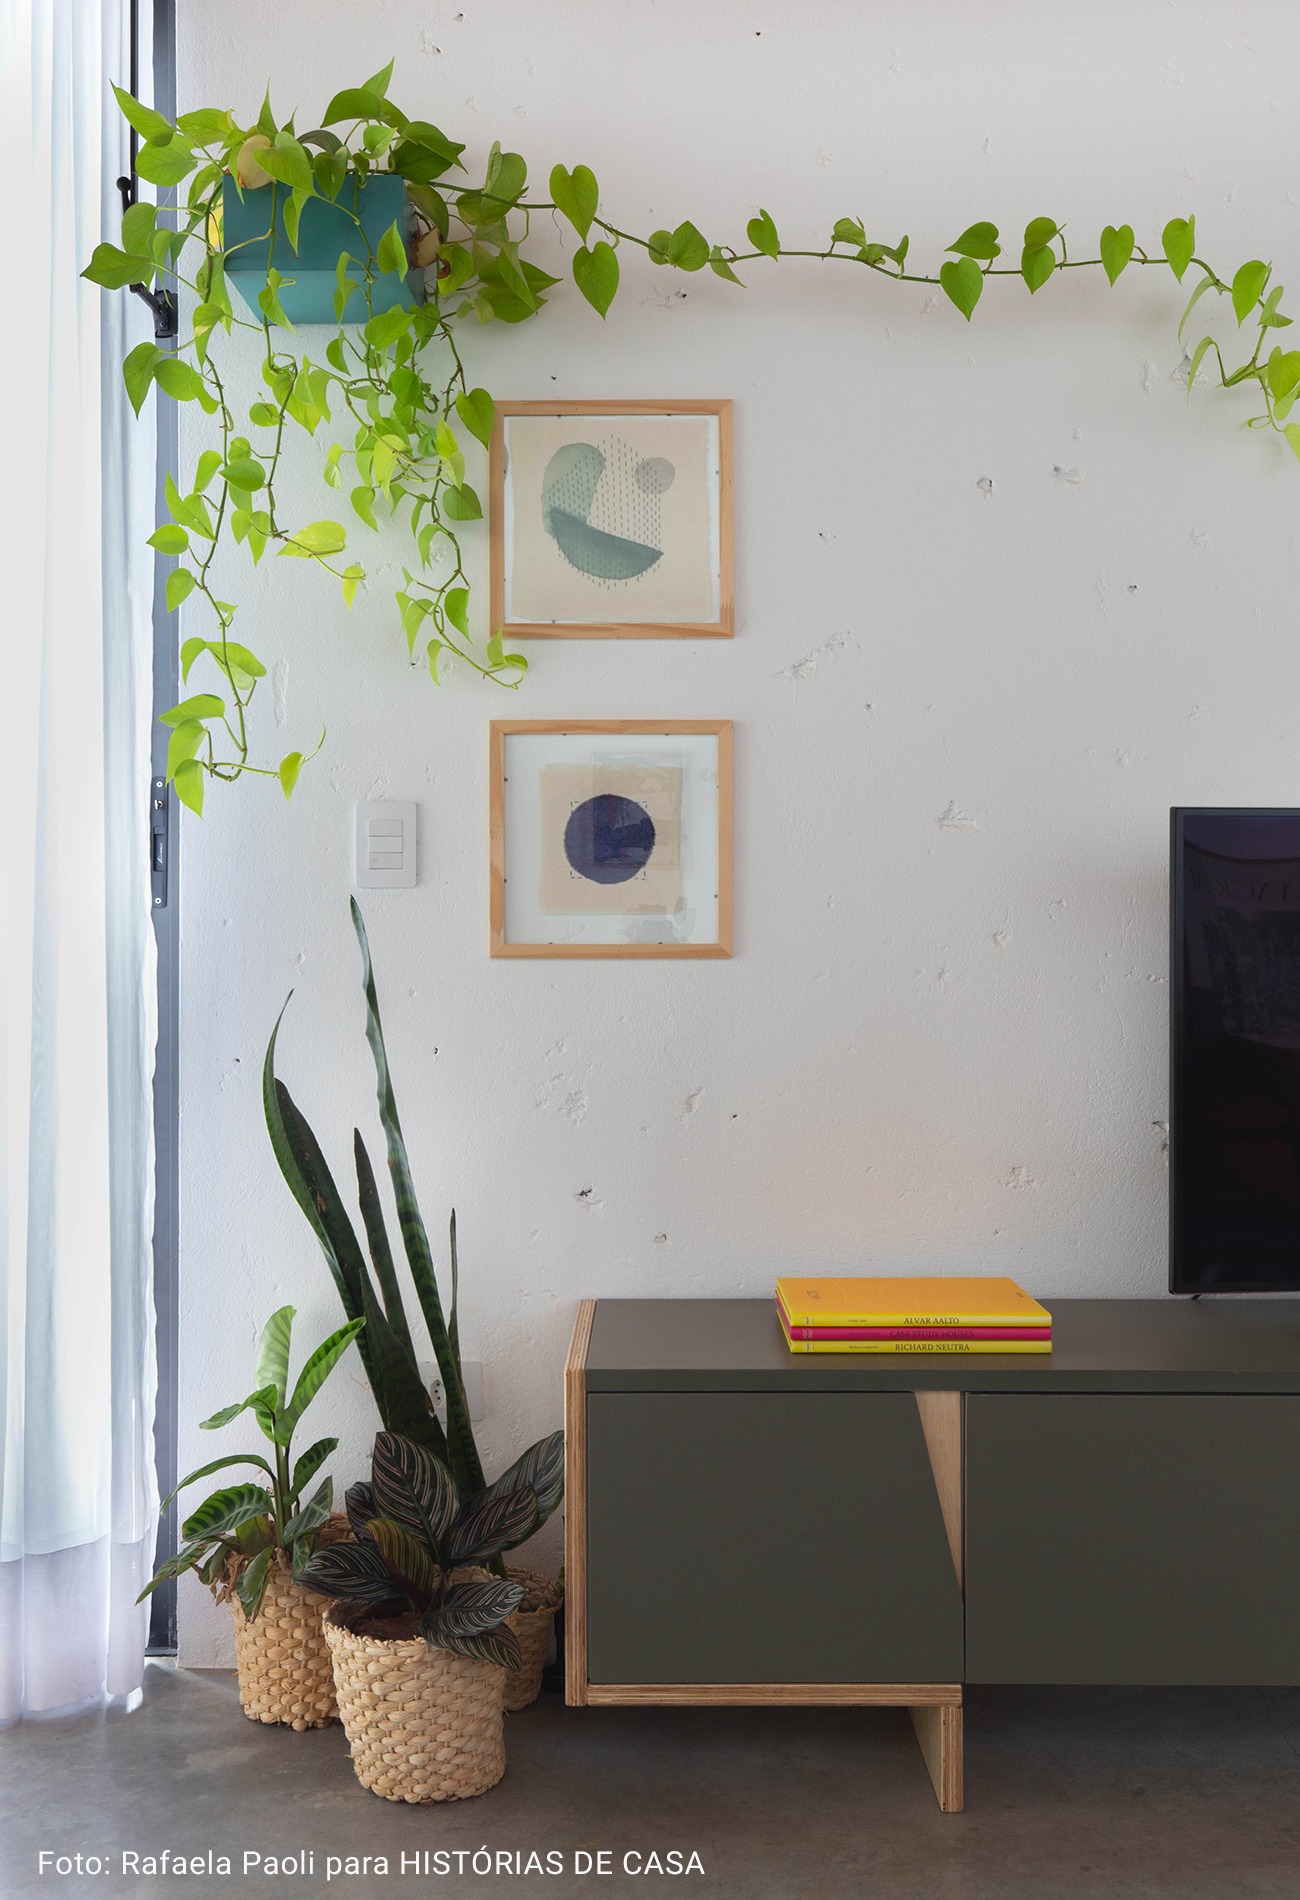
{"type": "Point", "coordinates": [78, 1504]}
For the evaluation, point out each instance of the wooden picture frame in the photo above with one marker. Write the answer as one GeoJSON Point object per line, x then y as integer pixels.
{"type": "Point", "coordinates": [503, 730]}
{"type": "Point", "coordinates": [720, 626]}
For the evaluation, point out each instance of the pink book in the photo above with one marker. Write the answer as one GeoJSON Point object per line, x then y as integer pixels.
{"type": "Point", "coordinates": [919, 1332]}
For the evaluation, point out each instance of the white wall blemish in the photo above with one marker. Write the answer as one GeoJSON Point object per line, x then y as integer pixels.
{"type": "Point", "coordinates": [887, 1076]}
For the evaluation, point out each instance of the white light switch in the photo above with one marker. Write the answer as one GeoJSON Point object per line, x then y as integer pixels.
{"type": "Point", "coordinates": [385, 846]}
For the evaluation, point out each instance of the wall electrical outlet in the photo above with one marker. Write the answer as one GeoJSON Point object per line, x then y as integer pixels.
{"type": "Point", "coordinates": [471, 1372]}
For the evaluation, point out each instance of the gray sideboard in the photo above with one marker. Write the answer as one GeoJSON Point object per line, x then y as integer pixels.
{"type": "Point", "coordinates": [748, 1525]}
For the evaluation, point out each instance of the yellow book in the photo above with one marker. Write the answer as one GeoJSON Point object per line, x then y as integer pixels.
{"type": "Point", "coordinates": [909, 1302]}
{"type": "Point", "coordinates": [909, 1345]}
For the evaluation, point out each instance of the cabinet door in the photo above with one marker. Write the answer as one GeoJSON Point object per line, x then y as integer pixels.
{"type": "Point", "coordinates": [765, 1537]}
{"type": "Point", "coordinates": [1132, 1539]}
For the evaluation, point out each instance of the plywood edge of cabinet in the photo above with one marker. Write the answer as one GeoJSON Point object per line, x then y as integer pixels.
{"type": "Point", "coordinates": [941, 1424]}
{"type": "Point", "coordinates": [575, 1507]}
{"type": "Point", "coordinates": [888, 1695]}
{"type": "Point", "coordinates": [939, 1731]}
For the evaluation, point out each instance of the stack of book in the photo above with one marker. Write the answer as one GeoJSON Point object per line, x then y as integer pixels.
{"type": "Point", "coordinates": [911, 1315]}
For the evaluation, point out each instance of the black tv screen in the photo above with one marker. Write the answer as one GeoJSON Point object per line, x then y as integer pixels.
{"type": "Point", "coordinates": [1234, 1124]}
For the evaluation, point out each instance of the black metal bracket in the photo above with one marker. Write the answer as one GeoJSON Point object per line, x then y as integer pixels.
{"type": "Point", "coordinates": [159, 813]}
{"type": "Point", "coordinates": [161, 302]}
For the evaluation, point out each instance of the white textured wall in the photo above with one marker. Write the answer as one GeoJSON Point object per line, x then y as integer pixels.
{"type": "Point", "coordinates": [941, 1044]}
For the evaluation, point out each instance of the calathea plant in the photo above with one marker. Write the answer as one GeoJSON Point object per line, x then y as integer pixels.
{"type": "Point", "coordinates": [387, 1347]}
{"type": "Point", "coordinates": [391, 383]}
{"type": "Point", "coordinates": [250, 1522]}
{"type": "Point", "coordinates": [413, 1531]}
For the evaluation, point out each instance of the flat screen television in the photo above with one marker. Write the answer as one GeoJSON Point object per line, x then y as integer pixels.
{"type": "Point", "coordinates": [1234, 1111]}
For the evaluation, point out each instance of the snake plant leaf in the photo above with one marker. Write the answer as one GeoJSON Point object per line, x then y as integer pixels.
{"type": "Point", "coordinates": [495, 1646]}
{"type": "Point", "coordinates": [220, 1464]}
{"type": "Point", "coordinates": [359, 1503]}
{"type": "Point", "coordinates": [313, 1376]}
{"type": "Point", "coordinates": [399, 1391]}
{"type": "Point", "coordinates": [251, 1585]}
{"type": "Point", "coordinates": [355, 1571]}
{"type": "Point", "coordinates": [226, 1512]}
{"type": "Point", "coordinates": [312, 1515]}
{"type": "Point", "coordinates": [372, 1215]}
{"type": "Point", "coordinates": [542, 1468]}
{"type": "Point", "coordinates": [273, 1352]}
{"type": "Point", "coordinates": [466, 1467]}
{"type": "Point", "coordinates": [414, 1488]}
{"type": "Point", "coordinates": [310, 1463]}
{"type": "Point", "coordinates": [410, 1563]}
{"type": "Point", "coordinates": [486, 1529]}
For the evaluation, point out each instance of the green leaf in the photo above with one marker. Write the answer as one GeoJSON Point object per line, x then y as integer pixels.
{"type": "Point", "coordinates": [245, 474]}
{"type": "Point", "coordinates": [435, 647]}
{"type": "Point", "coordinates": [1039, 231]}
{"type": "Point", "coordinates": [476, 410]}
{"type": "Point", "coordinates": [272, 1367]}
{"type": "Point", "coordinates": [460, 503]}
{"type": "Point", "coordinates": [658, 244]}
{"type": "Point", "coordinates": [250, 1587]}
{"type": "Point", "coordinates": [287, 163]}
{"type": "Point", "coordinates": [114, 269]}
{"type": "Point", "coordinates": [353, 1571]}
{"type": "Point", "coordinates": [201, 706]}
{"type": "Point", "coordinates": [455, 605]}
{"type": "Point", "coordinates": [363, 502]}
{"type": "Point", "coordinates": [1198, 355]}
{"type": "Point", "coordinates": [413, 1566]}
{"type": "Point", "coordinates": [170, 539]}
{"type": "Point", "coordinates": [148, 123]}
{"type": "Point", "coordinates": [383, 330]}
{"type": "Point", "coordinates": [256, 1401]}
{"type": "Point", "coordinates": [576, 195]}
{"type": "Point", "coordinates": [138, 224]}
{"type": "Point", "coordinates": [218, 1464]}
{"type": "Point", "coordinates": [487, 1526]}
{"type": "Point", "coordinates": [413, 1488]}
{"type": "Point", "coordinates": [687, 249]}
{"type": "Point", "coordinates": [848, 231]}
{"type": "Point", "coordinates": [208, 464]}
{"type": "Point", "coordinates": [1248, 287]}
{"type": "Point", "coordinates": [317, 538]}
{"type": "Point", "coordinates": [313, 1376]}
{"type": "Point", "coordinates": [391, 252]}
{"type": "Point", "coordinates": [180, 380]}
{"type": "Point", "coordinates": [138, 371]}
{"type": "Point", "coordinates": [352, 579]}
{"type": "Point", "coordinates": [1292, 433]}
{"type": "Point", "coordinates": [189, 779]}
{"type": "Point", "coordinates": [167, 164]}
{"type": "Point", "coordinates": [312, 1515]}
{"type": "Point", "coordinates": [310, 1463]}
{"type": "Point", "coordinates": [1036, 265]}
{"type": "Point", "coordinates": [290, 766]}
{"type": "Point", "coordinates": [1116, 249]}
{"type": "Point", "coordinates": [494, 649]}
{"type": "Point", "coordinates": [1179, 240]}
{"type": "Point", "coordinates": [378, 83]}
{"type": "Point", "coordinates": [721, 268]}
{"type": "Point", "coordinates": [180, 585]}
{"type": "Point", "coordinates": [595, 272]}
{"type": "Point", "coordinates": [1283, 372]}
{"type": "Point", "coordinates": [354, 102]}
{"type": "Point", "coordinates": [964, 283]}
{"type": "Point", "coordinates": [541, 1468]}
{"type": "Point", "coordinates": [761, 232]}
{"type": "Point", "coordinates": [206, 126]}
{"type": "Point", "coordinates": [1207, 283]}
{"type": "Point", "coordinates": [977, 240]}
{"type": "Point", "coordinates": [225, 1512]}
{"type": "Point", "coordinates": [176, 1566]}
{"type": "Point", "coordinates": [507, 174]}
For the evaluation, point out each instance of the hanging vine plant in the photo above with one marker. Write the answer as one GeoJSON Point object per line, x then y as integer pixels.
{"type": "Point", "coordinates": [390, 382]}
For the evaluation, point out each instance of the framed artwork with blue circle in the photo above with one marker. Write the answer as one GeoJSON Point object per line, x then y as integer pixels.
{"type": "Point", "coordinates": [611, 838]}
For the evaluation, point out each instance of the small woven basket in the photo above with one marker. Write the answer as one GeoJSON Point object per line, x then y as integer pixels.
{"type": "Point", "coordinates": [423, 1725]}
{"type": "Point", "coordinates": [532, 1623]}
{"type": "Point", "coordinates": [285, 1670]}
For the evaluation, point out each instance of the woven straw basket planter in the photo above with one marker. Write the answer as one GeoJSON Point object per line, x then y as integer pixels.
{"type": "Point", "coordinates": [285, 1673]}
{"type": "Point", "coordinates": [422, 1724]}
{"type": "Point", "coordinates": [532, 1623]}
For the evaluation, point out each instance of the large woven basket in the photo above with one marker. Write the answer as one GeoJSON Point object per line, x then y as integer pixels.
{"type": "Point", "coordinates": [422, 1724]}
{"type": "Point", "coordinates": [285, 1674]}
{"type": "Point", "coordinates": [532, 1623]}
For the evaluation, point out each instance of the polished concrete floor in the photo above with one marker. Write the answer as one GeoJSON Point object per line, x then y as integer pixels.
{"type": "Point", "coordinates": [1158, 1794]}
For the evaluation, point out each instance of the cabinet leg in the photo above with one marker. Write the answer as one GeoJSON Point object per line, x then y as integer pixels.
{"type": "Point", "coordinates": [938, 1730]}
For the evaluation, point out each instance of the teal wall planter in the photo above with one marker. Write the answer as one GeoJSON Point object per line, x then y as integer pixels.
{"type": "Point", "coordinates": [324, 233]}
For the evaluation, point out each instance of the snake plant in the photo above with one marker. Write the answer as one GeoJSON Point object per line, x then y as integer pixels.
{"type": "Point", "coordinates": [254, 1520]}
{"type": "Point", "coordinates": [369, 1288]}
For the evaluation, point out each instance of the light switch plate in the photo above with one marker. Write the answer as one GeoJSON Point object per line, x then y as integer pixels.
{"type": "Point", "coordinates": [385, 846]}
